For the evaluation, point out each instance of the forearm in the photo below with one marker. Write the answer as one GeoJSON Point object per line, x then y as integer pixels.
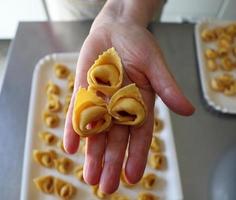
{"type": "Point", "coordinates": [132, 11]}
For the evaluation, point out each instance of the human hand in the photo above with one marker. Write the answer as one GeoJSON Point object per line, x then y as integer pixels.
{"type": "Point", "coordinates": [144, 65]}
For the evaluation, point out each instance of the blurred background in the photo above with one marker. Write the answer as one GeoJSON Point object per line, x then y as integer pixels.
{"type": "Point", "coordinates": [13, 11]}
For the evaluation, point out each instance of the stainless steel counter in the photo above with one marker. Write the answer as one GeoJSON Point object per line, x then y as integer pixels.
{"type": "Point", "coordinates": [201, 140]}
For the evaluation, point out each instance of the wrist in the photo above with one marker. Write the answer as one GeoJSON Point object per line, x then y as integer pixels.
{"type": "Point", "coordinates": [137, 12]}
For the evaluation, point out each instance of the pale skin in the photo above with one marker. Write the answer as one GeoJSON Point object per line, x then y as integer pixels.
{"type": "Point", "coordinates": [122, 24]}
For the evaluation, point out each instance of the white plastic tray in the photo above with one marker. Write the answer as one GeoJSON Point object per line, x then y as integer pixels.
{"type": "Point", "coordinates": [169, 184]}
{"type": "Point", "coordinates": [218, 101]}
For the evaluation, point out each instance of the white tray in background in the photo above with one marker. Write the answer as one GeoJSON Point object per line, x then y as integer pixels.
{"type": "Point", "coordinates": [169, 184]}
{"type": "Point", "coordinates": [218, 101]}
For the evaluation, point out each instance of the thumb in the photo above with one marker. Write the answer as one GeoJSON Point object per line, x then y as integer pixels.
{"type": "Point", "coordinates": [165, 85]}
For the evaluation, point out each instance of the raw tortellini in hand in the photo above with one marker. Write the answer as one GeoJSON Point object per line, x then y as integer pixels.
{"type": "Point", "coordinates": [90, 115]}
{"type": "Point", "coordinates": [127, 107]}
{"type": "Point", "coordinates": [93, 114]}
{"type": "Point", "coordinates": [106, 74]}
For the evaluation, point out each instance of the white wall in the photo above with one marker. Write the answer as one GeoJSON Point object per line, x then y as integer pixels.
{"type": "Point", "coordinates": [193, 10]}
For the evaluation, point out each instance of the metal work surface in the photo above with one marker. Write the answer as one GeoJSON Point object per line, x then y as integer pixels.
{"type": "Point", "coordinates": [201, 140]}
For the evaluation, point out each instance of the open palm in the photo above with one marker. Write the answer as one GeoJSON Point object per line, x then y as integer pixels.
{"type": "Point", "coordinates": [144, 65]}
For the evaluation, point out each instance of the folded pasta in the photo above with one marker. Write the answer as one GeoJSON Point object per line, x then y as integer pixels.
{"type": "Point", "coordinates": [127, 107]}
{"type": "Point", "coordinates": [90, 115]}
{"type": "Point", "coordinates": [106, 74]}
{"type": "Point", "coordinates": [64, 189]}
{"type": "Point", "coordinates": [45, 184]}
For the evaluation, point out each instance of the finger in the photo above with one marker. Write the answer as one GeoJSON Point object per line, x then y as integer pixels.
{"type": "Point", "coordinates": [113, 159]}
{"type": "Point", "coordinates": [71, 139]}
{"type": "Point", "coordinates": [91, 48]}
{"type": "Point", "coordinates": [95, 147]}
{"type": "Point", "coordinates": [139, 144]}
{"type": "Point", "coordinates": [165, 85]}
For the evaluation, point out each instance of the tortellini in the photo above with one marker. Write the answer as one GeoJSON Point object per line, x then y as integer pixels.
{"type": "Point", "coordinates": [51, 119]}
{"type": "Point", "coordinates": [78, 173]}
{"type": "Point", "coordinates": [227, 64]}
{"type": "Point", "coordinates": [208, 35]}
{"type": "Point", "coordinates": [67, 103]}
{"type": "Point", "coordinates": [155, 144]}
{"type": "Point", "coordinates": [146, 196]}
{"type": "Point", "coordinates": [90, 115]}
{"type": "Point", "coordinates": [148, 181]}
{"type": "Point", "coordinates": [61, 70]}
{"type": "Point", "coordinates": [158, 125]}
{"type": "Point", "coordinates": [53, 103]}
{"type": "Point", "coordinates": [60, 145]}
{"type": "Point", "coordinates": [157, 161]}
{"type": "Point", "coordinates": [225, 83]}
{"type": "Point", "coordinates": [211, 54]}
{"type": "Point", "coordinates": [52, 185]}
{"type": "Point", "coordinates": [98, 193]}
{"type": "Point", "coordinates": [104, 101]}
{"type": "Point", "coordinates": [71, 80]}
{"type": "Point", "coordinates": [47, 137]}
{"type": "Point", "coordinates": [119, 197]}
{"type": "Point", "coordinates": [220, 57]}
{"type": "Point", "coordinates": [63, 189]}
{"type": "Point", "coordinates": [127, 107]}
{"type": "Point", "coordinates": [64, 165]}
{"type": "Point", "coordinates": [52, 88]}
{"type": "Point", "coordinates": [106, 74]}
{"type": "Point", "coordinates": [45, 184]}
{"type": "Point", "coordinates": [212, 65]}
{"type": "Point", "coordinates": [45, 158]}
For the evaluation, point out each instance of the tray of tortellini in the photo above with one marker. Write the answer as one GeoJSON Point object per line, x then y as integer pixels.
{"type": "Point", "coordinates": [50, 173]}
{"type": "Point", "coordinates": [216, 52]}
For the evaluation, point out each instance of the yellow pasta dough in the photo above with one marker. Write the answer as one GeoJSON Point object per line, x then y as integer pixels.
{"type": "Point", "coordinates": [45, 158]}
{"type": "Point", "coordinates": [52, 88]}
{"type": "Point", "coordinates": [53, 103]}
{"type": "Point", "coordinates": [48, 137]}
{"type": "Point", "coordinates": [146, 196]}
{"type": "Point", "coordinates": [224, 83]}
{"type": "Point", "coordinates": [157, 161]}
{"type": "Point", "coordinates": [127, 107]}
{"type": "Point", "coordinates": [90, 115]}
{"type": "Point", "coordinates": [212, 65]}
{"type": "Point", "coordinates": [219, 31]}
{"type": "Point", "coordinates": [231, 30]}
{"type": "Point", "coordinates": [64, 189]}
{"type": "Point", "coordinates": [231, 90]}
{"type": "Point", "coordinates": [119, 197]}
{"type": "Point", "coordinates": [60, 145]}
{"type": "Point", "coordinates": [61, 70]}
{"type": "Point", "coordinates": [148, 181]}
{"type": "Point", "coordinates": [64, 165]}
{"type": "Point", "coordinates": [71, 80]}
{"type": "Point", "coordinates": [51, 119]}
{"type": "Point", "coordinates": [67, 103]}
{"type": "Point", "coordinates": [158, 125]}
{"type": "Point", "coordinates": [208, 35]}
{"type": "Point", "coordinates": [155, 144]}
{"type": "Point", "coordinates": [227, 64]}
{"type": "Point", "coordinates": [45, 184]}
{"type": "Point", "coordinates": [106, 74]}
{"type": "Point", "coordinates": [98, 193]}
{"type": "Point", "coordinates": [211, 54]}
{"type": "Point", "coordinates": [78, 173]}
